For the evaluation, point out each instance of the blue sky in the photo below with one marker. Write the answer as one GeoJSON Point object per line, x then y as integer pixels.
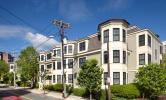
{"type": "Point", "coordinates": [83, 15]}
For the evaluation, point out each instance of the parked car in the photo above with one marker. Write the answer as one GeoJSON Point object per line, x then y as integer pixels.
{"type": "Point", "coordinates": [11, 98]}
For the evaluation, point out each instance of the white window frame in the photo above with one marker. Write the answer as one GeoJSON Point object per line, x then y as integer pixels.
{"type": "Point", "coordinates": [86, 46]}
{"type": "Point", "coordinates": [79, 60]}
{"type": "Point", "coordinates": [43, 58]}
{"type": "Point", "coordinates": [68, 48]}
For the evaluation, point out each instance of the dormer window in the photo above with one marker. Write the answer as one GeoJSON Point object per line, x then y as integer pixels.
{"type": "Point", "coordinates": [65, 49]}
{"type": "Point", "coordinates": [42, 58]}
{"type": "Point", "coordinates": [58, 51]}
{"type": "Point", "coordinates": [70, 49]}
{"type": "Point", "coordinates": [82, 46]}
{"type": "Point", "coordinates": [48, 56]}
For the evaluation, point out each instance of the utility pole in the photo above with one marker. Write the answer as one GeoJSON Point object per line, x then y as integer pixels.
{"type": "Point", "coordinates": [62, 25]}
{"type": "Point", "coordinates": [108, 78]}
{"type": "Point", "coordinates": [14, 67]}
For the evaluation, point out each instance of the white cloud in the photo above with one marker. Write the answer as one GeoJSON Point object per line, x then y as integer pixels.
{"type": "Point", "coordinates": [73, 9]}
{"type": "Point", "coordinates": [8, 31]}
{"type": "Point", "coordinates": [39, 41]}
{"type": "Point", "coordinates": [26, 34]}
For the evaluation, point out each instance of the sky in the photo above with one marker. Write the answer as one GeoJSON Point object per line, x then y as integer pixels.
{"type": "Point", "coordinates": [29, 22]}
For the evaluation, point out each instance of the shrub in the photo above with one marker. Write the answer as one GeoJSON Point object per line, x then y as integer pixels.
{"type": "Point", "coordinates": [24, 84]}
{"type": "Point", "coordinates": [129, 91]}
{"type": "Point", "coordinates": [101, 95]}
{"type": "Point", "coordinates": [18, 83]}
{"type": "Point", "coordinates": [58, 87]}
{"type": "Point", "coordinates": [79, 92]}
{"type": "Point", "coordinates": [50, 87]}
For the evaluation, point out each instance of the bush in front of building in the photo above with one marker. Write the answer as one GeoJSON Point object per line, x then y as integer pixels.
{"type": "Point", "coordinates": [58, 87]}
{"type": "Point", "coordinates": [79, 92]}
{"type": "Point", "coordinates": [83, 92]}
{"type": "Point", "coordinates": [129, 91]}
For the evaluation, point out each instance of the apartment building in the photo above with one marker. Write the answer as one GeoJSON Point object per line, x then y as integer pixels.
{"type": "Point", "coordinates": [128, 48]}
{"type": "Point", "coordinates": [164, 46]}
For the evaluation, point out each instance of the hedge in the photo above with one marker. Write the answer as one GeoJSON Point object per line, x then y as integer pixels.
{"type": "Point", "coordinates": [129, 91]}
{"type": "Point", "coordinates": [79, 92]}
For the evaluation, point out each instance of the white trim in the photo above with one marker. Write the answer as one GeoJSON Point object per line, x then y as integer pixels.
{"type": "Point", "coordinates": [95, 51]}
{"type": "Point", "coordinates": [79, 60]}
{"type": "Point", "coordinates": [86, 46]}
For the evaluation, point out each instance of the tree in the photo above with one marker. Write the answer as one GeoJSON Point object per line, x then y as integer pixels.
{"type": "Point", "coordinates": [4, 68]}
{"type": "Point", "coordinates": [28, 64]}
{"type": "Point", "coordinates": [90, 76]}
{"type": "Point", "coordinates": [151, 80]}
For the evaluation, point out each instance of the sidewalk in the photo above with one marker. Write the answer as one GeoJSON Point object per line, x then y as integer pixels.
{"type": "Point", "coordinates": [52, 94]}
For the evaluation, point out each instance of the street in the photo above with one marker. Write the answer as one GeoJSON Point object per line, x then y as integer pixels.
{"type": "Point", "coordinates": [25, 95]}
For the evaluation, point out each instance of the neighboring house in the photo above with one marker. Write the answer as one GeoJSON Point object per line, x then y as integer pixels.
{"type": "Point", "coordinates": [9, 59]}
{"type": "Point", "coordinates": [129, 49]}
{"type": "Point", "coordinates": [164, 47]}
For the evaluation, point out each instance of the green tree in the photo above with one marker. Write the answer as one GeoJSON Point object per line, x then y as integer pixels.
{"type": "Point", "coordinates": [28, 64]}
{"type": "Point", "coordinates": [4, 68]}
{"type": "Point", "coordinates": [151, 80]}
{"type": "Point", "coordinates": [90, 76]}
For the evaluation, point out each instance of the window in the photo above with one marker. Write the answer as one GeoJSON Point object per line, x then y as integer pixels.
{"type": "Point", "coordinates": [42, 68]}
{"type": "Point", "coordinates": [105, 78]}
{"type": "Point", "coordinates": [149, 41]}
{"type": "Point", "coordinates": [53, 65]}
{"type": "Point", "coordinates": [42, 57]}
{"type": "Point", "coordinates": [64, 64]}
{"type": "Point", "coordinates": [65, 49]}
{"type": "Point", "coordinates": [49, 66]}
{"type": "Point", "coordinates": [116, 77]}
{"type": "Point", "coordinates": [116, 34]}
{"type": "Point", "coordinates": [124, 35]}
{"type": "Point", "coordinates": [58, 52]}
{"type": "Point", "coordinates": [70, 63]}
{"type": "Point", "coordinates": [142, 40]}
{"type": "Point", "coordinates": [124, 78]}
{"type": "Point", "coordinates": [58, 65]}
{"type": "Point", "coordinates": [11, 67]}
{"type": "Point", "coordinates": [124, 57]}
{"type": "Point", "coordinates": [70, 78]}
{"type": "Point", "coordinates": [82, 46]}
{"type": "Point", "coordinates": [141, 59]}
{"type": "Point", "coordinates": [54, 52]}
{"type": "Point", "coordinates": [105, 57]}
{"type": "Point", "coordinates": [81, 61]}
{"type": "Point", "coordinates": [49, 78]}
{"type": "Point", "coordinates": [149, 58]}
{"type": "Point", "coordinates": [161, 49]}
{"type": "Point", "coordinates": [106, 36]}
{"type": "Point", "coordinates": [53, 78]}
{"type": "Point", "coordinates": [59, 79]}
{"type": "Point", "coordinates": [48, 56]}
{"type": "Point", "coordinates": [70, 49]}
{"type": "Point", "coordinates": [116, 56]}
{"type": "Point", "coordinates": [156, 54]}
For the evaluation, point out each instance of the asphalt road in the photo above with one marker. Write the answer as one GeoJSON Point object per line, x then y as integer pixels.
{"type": "Point", "coordinates": [25, 95]}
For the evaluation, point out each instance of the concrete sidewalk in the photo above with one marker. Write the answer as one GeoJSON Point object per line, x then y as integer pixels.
{"type": "Point", "coordinates": [51, 94]}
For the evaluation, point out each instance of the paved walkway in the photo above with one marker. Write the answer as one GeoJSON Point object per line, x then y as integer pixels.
{"type": "Point", "coordinates": [52, 94]}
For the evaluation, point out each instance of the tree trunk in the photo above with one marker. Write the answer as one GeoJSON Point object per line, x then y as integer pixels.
{"type": "Point", "coordinates": [90, 95]}
{"type": "Point", "coordinates": [143, 96]}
